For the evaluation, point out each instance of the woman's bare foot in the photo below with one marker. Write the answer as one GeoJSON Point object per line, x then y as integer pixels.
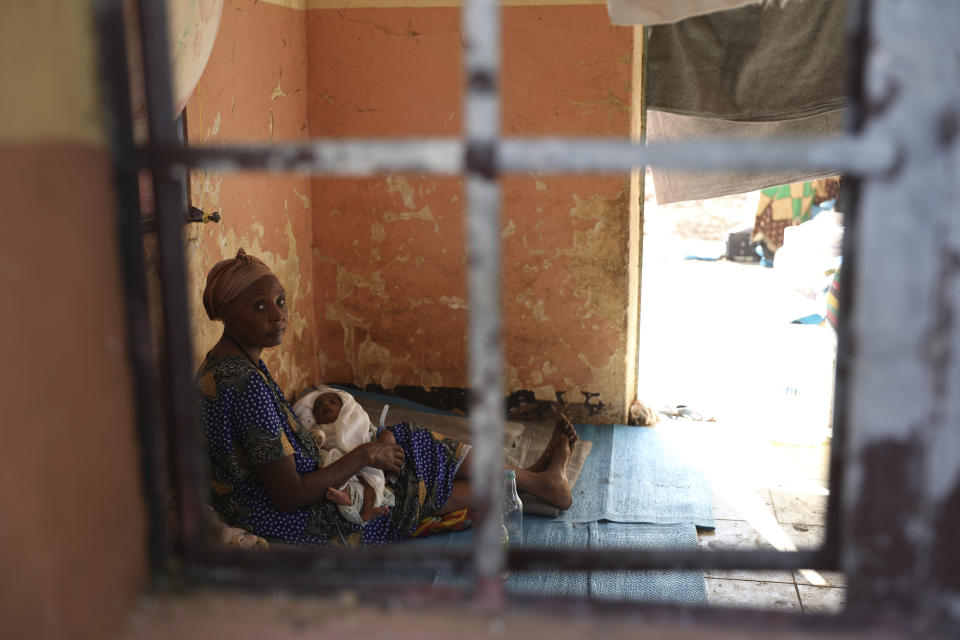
{"type": "Point", "coordinates": [563, 426]}
{"type": "Point", "coordinates": [550, 484]}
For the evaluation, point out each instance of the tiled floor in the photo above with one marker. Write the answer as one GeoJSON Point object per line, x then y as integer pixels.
{"type": "Point", "coordinates": [769, 512]}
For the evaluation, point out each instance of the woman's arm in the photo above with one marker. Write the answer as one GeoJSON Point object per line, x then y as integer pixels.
{"type": "Point", "coordinates": [289, 490]}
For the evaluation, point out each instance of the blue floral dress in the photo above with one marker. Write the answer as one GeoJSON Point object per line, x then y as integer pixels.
{"type": "Point", "coordinates": [248, 422]}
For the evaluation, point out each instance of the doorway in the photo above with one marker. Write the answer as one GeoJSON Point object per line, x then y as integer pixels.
{"type": "Point", "coordinates": [737, 361]}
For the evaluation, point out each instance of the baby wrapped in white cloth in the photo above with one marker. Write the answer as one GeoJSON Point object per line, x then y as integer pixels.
{"type": "Point", "coordinates": [338, 424]}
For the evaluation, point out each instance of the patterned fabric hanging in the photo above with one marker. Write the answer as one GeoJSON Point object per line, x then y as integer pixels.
{"type": "Point", "coordinates": [787, 205]}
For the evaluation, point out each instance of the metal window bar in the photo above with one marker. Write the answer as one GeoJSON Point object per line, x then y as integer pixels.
{"type": "Point", "coordinates": [875, 153]}
{"type": "Point", "coordinates": [168, 185]}
{"type": "Point", "coordinates": [481, 26]}
{"type": "Point", "coordinates": [866, 155]}
{"type": "Point", "coordinates": [116, 90]}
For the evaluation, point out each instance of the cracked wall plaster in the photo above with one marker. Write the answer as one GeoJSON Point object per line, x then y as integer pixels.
{"type": "Point", "coordinates": [254, 89]}
{"type": "Point", "coordinates": [383, 274]}
{"type": "Point", "coordinates": [389, 257]}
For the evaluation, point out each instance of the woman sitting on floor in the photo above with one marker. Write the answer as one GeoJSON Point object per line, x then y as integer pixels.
{"type": "Point", "coordinates": [267, 475]}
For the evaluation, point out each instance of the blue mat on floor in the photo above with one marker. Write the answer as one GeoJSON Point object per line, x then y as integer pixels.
{"type": "Point", "coordinates": [633, 475]}
{"type": "Point", "coordinates": [673, 586]}
{"type": "Point", "coordinates": [634, 492]}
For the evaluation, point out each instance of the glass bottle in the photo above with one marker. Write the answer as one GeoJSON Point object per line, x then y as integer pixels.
{"type": "Point", "coordinates": [505, 541]}
{"type": "Point", "coordinates": [512, 510]}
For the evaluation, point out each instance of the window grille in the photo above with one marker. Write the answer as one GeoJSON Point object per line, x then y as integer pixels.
{"type": "Point", "coordinates": [886, 523]}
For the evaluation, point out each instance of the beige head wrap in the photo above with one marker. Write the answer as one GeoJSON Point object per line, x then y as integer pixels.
{"type": "Point", "coordinates": [228, 278]}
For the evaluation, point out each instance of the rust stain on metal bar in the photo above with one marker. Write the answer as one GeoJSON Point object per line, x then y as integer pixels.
{"type": "Point", "coordinates": [885, 554]}
{"type": "Point", "coordinates": [948, 126]}
{"type": "Point", "coordinates": [639, 559]}
{"type": "Point", "coordinates": [374, 559]}
{"type": "Point", "coordinates": [945, 570]}
{"type": "Point", "coordinates": [945, 510]}
{"type": "Point", "coordinates": [481, 159]}
{"type": "Point", "coordinates": [482, 81]}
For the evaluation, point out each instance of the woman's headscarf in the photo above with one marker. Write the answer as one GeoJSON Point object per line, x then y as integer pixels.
{"type": "Point", "coordinates": [227, 280]}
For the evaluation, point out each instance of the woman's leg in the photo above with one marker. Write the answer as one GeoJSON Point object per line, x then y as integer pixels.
{"type": "Point", "coordinates": [546, 478]}
{"type": "Point", "coordinates": [563, 426]}
{"type": "Point", "coordinates": [550, 484]}
{"type": "Point", "coordinates": [461, 496]}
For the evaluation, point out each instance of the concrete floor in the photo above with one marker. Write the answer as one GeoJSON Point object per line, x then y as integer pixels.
{"type": "Point", "coordinates": [771, 515]}
{"type": "Point", "coordinates": [716, 336]}
{"type": "Point", "coordinates": [767, 495]}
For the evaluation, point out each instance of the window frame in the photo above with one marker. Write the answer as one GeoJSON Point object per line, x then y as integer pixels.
{"type": "Point", "coordinates": [877, 154]}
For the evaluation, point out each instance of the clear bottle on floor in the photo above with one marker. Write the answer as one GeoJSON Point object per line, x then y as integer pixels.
{"type": "Point", "coordinates": [505, 541]}
{"type": "Point", "coordinates": [512, 509]}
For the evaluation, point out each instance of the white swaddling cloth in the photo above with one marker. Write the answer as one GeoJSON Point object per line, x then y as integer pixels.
{"type": "Point", "coordinates": [351, 428]}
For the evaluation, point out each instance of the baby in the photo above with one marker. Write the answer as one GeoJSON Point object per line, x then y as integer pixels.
{"type": "Point", "coordinates": [338, 424]}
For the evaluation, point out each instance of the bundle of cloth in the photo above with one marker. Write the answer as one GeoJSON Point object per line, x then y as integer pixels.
{"type": "Point", "coordinates": [351, 428]}
{"type": "Point", "coordinates": [791, 205]}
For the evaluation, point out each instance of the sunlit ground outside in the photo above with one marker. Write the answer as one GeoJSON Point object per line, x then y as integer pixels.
{"type": "Point", "coordinates": [716, 337]}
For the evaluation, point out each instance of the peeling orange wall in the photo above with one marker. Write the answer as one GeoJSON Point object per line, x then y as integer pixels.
{"type": "Point", "coordinates": [376, 267]}
{"type": "Point", "coordinates": [254, 90]}
{"type": "Point", "coordinates": [389, 257]}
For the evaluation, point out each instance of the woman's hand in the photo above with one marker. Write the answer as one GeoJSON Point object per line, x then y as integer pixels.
{"type": "Point", "coordinates": [384, 455]}
{"type": "Point", "coordinates": [290, 490]}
